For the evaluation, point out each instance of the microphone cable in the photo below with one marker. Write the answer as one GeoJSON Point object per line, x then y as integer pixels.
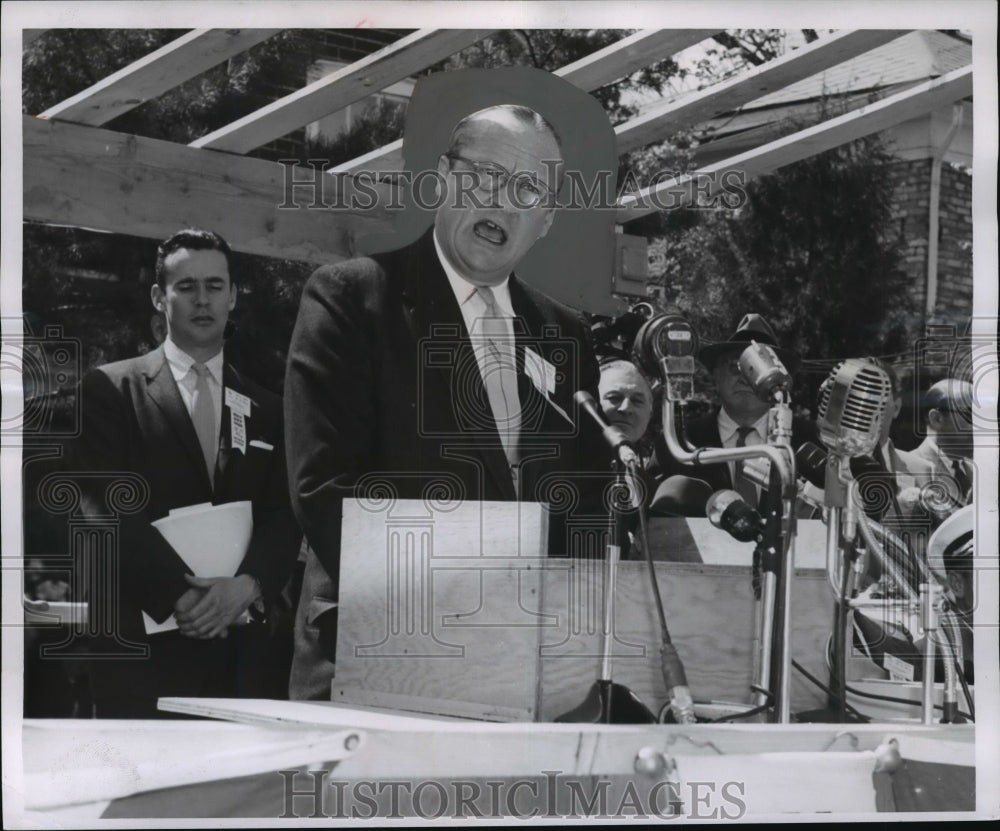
{"type": "Point", "coordinates": [889, 698]}
{"type": "Point", "coordinates": [671, 667]}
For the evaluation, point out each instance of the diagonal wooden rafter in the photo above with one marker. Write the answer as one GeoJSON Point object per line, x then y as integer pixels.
{"type": "Point", "coordinates": [628, 55]}
{"type": "Point", "coordinates": [352, 83]}
{"type": "Point", "coordinates": [604, 66]}
{"type": "Point", "coordinates": [748, 86]}
{"type": "Point", "coordinates": [95, 178]}
{"type": "Point", "coordinates": [156, 73]}
{"type": "Point", "coordinates": [713, 179]}
{"type": "Point", "coordinates": [727, 95]}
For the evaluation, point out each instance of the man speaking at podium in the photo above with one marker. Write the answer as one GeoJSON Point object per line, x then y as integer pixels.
{"type": "Point", "coordinates": [434, 367]}
{"type": "Point", "coordinates": [197, 431]}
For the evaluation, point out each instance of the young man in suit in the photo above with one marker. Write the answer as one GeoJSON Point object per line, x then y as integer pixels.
{"type": "Point", "coordinates": [196, 431]}
{"type": "Point", "coordinates": [434, 364]}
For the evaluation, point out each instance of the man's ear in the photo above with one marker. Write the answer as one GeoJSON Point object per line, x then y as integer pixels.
{"type": "Point", "coordinates": [935, 419]}
{"type": "Point", "coordinates": [550, 215]}
{"type": "Point", "coordinates": [156, 295]}
{"type": "Point", "coordinates": [956, 584]}
{"type": "Point", "coordinates": [443, 169]}
{"type": "Point", "coordinates": [232, 295]}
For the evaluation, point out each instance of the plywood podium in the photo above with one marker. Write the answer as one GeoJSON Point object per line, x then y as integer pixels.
{"type": "Point", "coordinates": [457, 610]}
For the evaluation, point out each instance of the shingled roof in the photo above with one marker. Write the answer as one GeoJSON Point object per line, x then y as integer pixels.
{"type": "Point", "coordinates": [917, 56]}
{"type": "Point", "coordinates": [899, 64]}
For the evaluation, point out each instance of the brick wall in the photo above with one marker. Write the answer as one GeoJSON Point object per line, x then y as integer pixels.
{"type": "Point", "coordinates": [942, 347]}
{"type": "Point", "coordinates": [911, 214]}
{"type": "Point", "coordinates": [347, 45]}
{"type": "Point", "coordinates": [954, 298]}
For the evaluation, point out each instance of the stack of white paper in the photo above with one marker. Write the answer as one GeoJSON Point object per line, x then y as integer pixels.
{"type": "Point", "coordinates": [211, 539]}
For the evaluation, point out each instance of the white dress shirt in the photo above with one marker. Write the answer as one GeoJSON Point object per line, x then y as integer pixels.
{"type": "Point", "coordinates": [474, 308]}
{"type": "Point", "coordinates": [729, 434]}
{"type": "Point", "coordinates": [180, 364]}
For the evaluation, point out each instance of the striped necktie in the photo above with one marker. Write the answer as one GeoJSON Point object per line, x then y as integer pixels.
{"type": "Point", "coordinates": [203, 418]}
{"type": "Point", "coordinates": [744, 486]}
{"type": "Point", "coordinates": [499, 370]}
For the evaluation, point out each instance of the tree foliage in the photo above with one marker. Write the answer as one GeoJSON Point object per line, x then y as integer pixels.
{"type": "Point", "coordinates": [552, 49]}
{"type": "Point", "coordinates": [813, 248]}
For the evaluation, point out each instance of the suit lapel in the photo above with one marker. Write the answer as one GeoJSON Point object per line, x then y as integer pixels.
{"type": "Point", "coordinates": [433, 312]}
{"type": "Point", "coordinates": [230, 459]}
{"type": "Point", "coordinates": [162, 389]}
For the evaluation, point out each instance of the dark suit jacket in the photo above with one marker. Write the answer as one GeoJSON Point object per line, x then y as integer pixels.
{"type": "Point", "coordinates": [383, 388]}
{"type": "Point", "coordinates": [134, 420]}
{"type": "Point", "coordinates": [704, 432]}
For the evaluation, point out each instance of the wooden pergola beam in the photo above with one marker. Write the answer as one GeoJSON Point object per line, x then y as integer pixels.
{"type": "Point", "coordinates": [93, 178]}
{"type": "Point", "coordinates": [156, 73]}
{"type": "Point", "coordinates": [711, 180]}
{"type": "Point", "coordinates": [628, 55]}
{"type": "Point", "coordinates": [660, 122]}
{"type": "Point", "coordinates": [603, 67]}
{"type": "Point", "coordinates": [360, 79]}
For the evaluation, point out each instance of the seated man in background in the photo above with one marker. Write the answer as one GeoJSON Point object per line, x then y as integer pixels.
{"type": "Point", "coordinates": [741, 418]}
{"type": "Point", "coordinates": [626, 398]}
{"type": "Point", "coordinates": [160, 416]}
{"type": "Point", "coordinates": [947, 408]}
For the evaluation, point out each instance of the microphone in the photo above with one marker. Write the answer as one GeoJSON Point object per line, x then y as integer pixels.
{"type": "Point", "coordinates": [681, 496]}
{"type": "Point", "coordinates": [727, 510]}
{"type": "Point", "coordinates": [852, 403]}
{"type": "Point", "coordinates": [665, 345]}
{"type": "Point", "coordinates": [764, 371]}
{"type": "Point", "coordinates": [810, 462]}
{"type": "Point", "coordinates": [614, 436]}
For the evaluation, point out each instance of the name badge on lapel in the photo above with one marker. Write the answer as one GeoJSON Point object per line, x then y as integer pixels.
{"type": "Point", "coordinates": [239, 411]}
{"type": "Point", "coordinates": [543, 375]}
{"type": "Point", "coordinates": [540, 371]}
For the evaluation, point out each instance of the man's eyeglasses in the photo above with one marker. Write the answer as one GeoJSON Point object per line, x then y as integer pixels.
{"type": "Point", "coordinates": [492, 177]}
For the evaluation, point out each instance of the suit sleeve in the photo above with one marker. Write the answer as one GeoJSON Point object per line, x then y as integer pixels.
{"type": "Point", "coordinates": [274, 545]}
{"type": "Point", "coordinates": [330, 402]}
{"type": "Point", "coordinates": [150, 570]}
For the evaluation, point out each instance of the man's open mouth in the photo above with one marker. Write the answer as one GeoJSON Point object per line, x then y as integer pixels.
{"type": "Point", "coordinates": [490, 231]}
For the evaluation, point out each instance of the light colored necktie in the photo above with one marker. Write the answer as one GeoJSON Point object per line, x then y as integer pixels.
{"type": "Point", "coordinates": [500, 374]}
{"type": "Point", "coordinates": [203, 417]}
{"type": "Point", "coordinates": [744, 486]}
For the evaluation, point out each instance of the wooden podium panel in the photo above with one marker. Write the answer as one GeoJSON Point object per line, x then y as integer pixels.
{"type": "Point", "coordinates": [457, 612]}
{"type": "Point", "coordinates": [440, 609]}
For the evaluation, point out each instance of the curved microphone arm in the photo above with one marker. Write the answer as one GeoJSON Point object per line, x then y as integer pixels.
{"type": "Point", "coordinates": [783, 459]}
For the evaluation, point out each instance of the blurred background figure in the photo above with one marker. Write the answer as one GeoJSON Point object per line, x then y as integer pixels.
{"type": "Point", "coordinates": [947, 411]}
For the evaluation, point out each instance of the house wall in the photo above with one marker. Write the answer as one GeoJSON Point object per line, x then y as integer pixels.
{"type": "Point", "coordinates": [337, 45]}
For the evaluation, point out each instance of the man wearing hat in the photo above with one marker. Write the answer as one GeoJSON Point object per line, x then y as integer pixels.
{"type": "Point", "coordinates": [741, 419]}
{"type": "Point", "coordinates": [948, 446]}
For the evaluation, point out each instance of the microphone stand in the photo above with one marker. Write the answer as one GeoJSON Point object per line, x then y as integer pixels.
{"type": "Point", "coordinates": [783, 465]}
{"type": "Point", "coordinates": [608, 702]}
